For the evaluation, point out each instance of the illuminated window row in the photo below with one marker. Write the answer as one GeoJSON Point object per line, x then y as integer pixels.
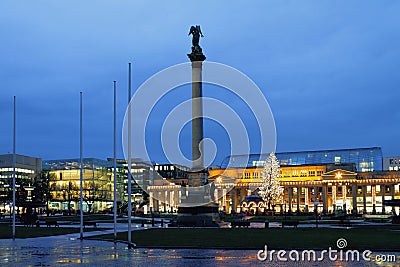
{"type": "Point", "coordinates": [17, 170]}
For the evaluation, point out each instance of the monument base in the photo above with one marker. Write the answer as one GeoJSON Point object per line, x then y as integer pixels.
{"type": "Point", "coordinates": [197, 208]}
{"type": "Point", "coordinates": [199, 216]}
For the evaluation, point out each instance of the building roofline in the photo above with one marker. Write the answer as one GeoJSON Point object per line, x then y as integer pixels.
{"type": "Point", "coordinates": [310, 151]}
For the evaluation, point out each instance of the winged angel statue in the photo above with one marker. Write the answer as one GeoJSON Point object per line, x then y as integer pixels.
{"type": "Point", "coordinates": [196, 32]}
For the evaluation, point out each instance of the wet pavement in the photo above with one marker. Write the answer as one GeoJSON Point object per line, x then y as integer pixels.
{"type": "Point", "coordinates": [69, 250]}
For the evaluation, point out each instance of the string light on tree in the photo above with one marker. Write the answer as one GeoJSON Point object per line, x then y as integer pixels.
{"type": "Point", "coordinates": [271, 191]}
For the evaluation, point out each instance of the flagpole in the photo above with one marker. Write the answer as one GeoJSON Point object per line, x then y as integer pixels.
{"type": "Point", "coordinates": [129, 161]}
{"type": "Point", "coordinates": [115, 162]}
{"type": "Point", "coordinates": [14, 165]}
{"type": "Point", "coordinates": [80, 167]}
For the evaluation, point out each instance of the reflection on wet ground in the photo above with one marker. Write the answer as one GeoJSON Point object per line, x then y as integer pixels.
{"type": "Point", "coordinates": [67, 251]}
{"type": "Point", "coordinates": [101, 253]}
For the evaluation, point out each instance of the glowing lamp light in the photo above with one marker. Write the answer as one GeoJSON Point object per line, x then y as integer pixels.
{"type": "Point", "coordinates": [338, 175]}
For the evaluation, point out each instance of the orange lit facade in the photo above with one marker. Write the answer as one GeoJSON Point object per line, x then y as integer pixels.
{"type": "Point", "coordinates": [307, 187]}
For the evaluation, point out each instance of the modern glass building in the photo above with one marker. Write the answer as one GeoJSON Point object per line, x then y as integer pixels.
{"type": "Point", "coordinates": [26, 170]}
{"type": "Point", "coordinates": [365, 159]}
{"type": "Point", "coordinates": [98, 187]}
{"type": "Point", "coordinates": [71, 164]}
{"type": "Point", "coordinates": [98, 183]}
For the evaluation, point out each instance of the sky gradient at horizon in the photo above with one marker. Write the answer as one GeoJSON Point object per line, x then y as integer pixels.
{"type": "Point", "coordinates": [329, 70]}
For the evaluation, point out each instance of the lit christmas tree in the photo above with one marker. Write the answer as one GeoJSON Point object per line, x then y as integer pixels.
{"type": "Point", "coordinates": [271, 191]}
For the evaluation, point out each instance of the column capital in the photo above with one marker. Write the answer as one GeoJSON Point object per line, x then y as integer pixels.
{"type": "Point", "coordinates": [196, 57]}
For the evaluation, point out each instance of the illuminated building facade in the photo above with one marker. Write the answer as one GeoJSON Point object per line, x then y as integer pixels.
{"type": "Point", "coordinates": [141, 173]}
{"type": "Point", "coordinates": [98, 184]}
{"type": "Point", "coordinates": [350, 180]}
{"type": "Point", "coordinates": [391, 163]}
{"type": "Point", "coordinates": [328, 188]}
{"type": "Point", "coordinates": [174, 173]}
{"type": "Point", "coordinates": [27, 169]}
{"type": "Point", "coordinates": [365, 159]}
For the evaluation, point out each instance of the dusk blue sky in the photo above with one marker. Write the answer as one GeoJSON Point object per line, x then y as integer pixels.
{"type": "Point", "coordinates": [329, 69]}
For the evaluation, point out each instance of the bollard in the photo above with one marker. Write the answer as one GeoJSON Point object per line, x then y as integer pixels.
{"type": "Point", "coordinates": [266, 224]}
{"type": "Point", "coordinates": [162, 223]}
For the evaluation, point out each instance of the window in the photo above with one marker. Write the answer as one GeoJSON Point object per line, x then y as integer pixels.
{"type": "Point", "coordinates": [295, 173]}
{"type": "Point", "coordinates": [339, 189]}
{"type": "Point", "coordinates": [319, 173]}
{"type": "Point", "coordinates": [257, 163]}
{"type": "Point", "coordinates": [359, 190]}
{"type": "Point", "coordinates": [311, 173]}
{"type": "Point", "coordinates": [286, 173]}
{"type": "Point", "coordinates": [303, 173]}
{"type": "Point", "coordinates": [246, 175]}
{"type": "Point", "coordinates": [255, 175]}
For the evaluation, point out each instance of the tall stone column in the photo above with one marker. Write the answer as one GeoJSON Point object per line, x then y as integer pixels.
{"type": "Point", "coordinates": [325, 200]}
{"type": "Point", "coordinates": [333, 195]}
{"type": "Point", "coordinates": [364, 193]}
{"type": "Point", "coordinates": [199, 207]}
{"type": "Point", "coordinates": [344, 197]}
{"type": "Point", "coordinates": [383, 197]}
{"type": "Point", "coordinates": [172, 200]}
{"type": "Point", "coordinates": [344, 193]}
{"type": "Point", "coordinates": [197, 115]}
{"type": "Point", "coordinates": [216, 197]}
{"type": "Point", "coordinates": [315, 198]}
{"type": "Point", "coordinates": [233, 199]}
{"type": "Point", "coordinates": [151, 201]}
{"type": "Point", "coordinates": [373, 196]}
{"type": "Point", "coordinates": [224, 199]}
{"type": "Point", "coordinates": [290, 198]}
{"type": "Point", "coordinates": [306, 200]}
{"type": "Point", "coordinates": [298, 192]}
{"type": "Point", "coordinates": [354, 198]}
{"type": "Point", "coordinates": [392, 194]}
{"type": "Point", "coordinates": [165, 200]}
